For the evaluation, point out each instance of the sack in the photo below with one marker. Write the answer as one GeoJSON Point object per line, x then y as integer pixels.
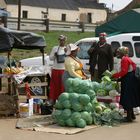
{"type": "Point", "coordinates": [137, 73]}
{"type": "Point", "coordinates": [60, 58]}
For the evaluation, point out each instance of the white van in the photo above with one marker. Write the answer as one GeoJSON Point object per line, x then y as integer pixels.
{"type": "Point", "coordinates": [130, 40]}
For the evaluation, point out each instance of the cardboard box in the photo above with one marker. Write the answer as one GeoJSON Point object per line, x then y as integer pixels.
{"type": "Point", "coordinates": [26, 109]}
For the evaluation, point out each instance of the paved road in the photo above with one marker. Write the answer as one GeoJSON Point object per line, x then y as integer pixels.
{"type": "Point", "coordinates": [129, 131]}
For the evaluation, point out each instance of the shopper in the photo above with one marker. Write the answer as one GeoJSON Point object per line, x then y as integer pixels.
{"type": "Point", "coordinates": [102, 56]}
{"type": "Point", "coordinates": [130, 96]}
{"type": "Point", "coordinates": [73, 65]}
{"type": "Point", "coordinates": [58, 56]}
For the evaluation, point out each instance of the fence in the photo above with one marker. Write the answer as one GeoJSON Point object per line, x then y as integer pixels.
{"type": "Point", "coordinates": [39, 24]}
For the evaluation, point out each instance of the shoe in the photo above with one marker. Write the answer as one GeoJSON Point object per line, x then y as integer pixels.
{"type": "Point", "coordinates": [127, 120]}
{"type": "Point", "coordinates": [133, 117]}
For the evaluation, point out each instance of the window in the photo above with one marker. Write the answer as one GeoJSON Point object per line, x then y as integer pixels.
{"type": "Point", "coordinates": [84, 47]}
{"type": "Point", "coordinates": [25, 14]}
{"type": "Point", "coordinates": [89, 17]}
{"type": "Point", "coordinates": [137, 49]}
{"type": "Point", "coordinates": [136, 38]}
{"type": "Point", "coordinates": [129, 45]}
{"type": "Point", "coordinates": [115, 45]}
{"type": "Point", "coordinates": [63, 18]}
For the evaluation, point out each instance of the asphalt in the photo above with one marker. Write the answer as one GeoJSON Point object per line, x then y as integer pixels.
{"type": "Point", "coordinates": [125, 131]}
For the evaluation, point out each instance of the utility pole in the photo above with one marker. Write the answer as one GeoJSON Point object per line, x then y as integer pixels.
{"type": "Point", "coordinates": [46, 19]}
{"type": "Point", "coordinates": [19, 14]}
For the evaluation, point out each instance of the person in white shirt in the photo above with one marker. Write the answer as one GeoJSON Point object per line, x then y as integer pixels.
{"type": "Point", "coordinates": [58, 56]}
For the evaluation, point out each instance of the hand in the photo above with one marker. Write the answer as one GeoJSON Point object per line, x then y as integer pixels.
{"type": "Point", "coordinates": [65, 50]}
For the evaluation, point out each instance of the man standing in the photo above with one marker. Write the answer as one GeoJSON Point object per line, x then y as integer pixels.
{"type": "Point", "coordinates": [102, 56]}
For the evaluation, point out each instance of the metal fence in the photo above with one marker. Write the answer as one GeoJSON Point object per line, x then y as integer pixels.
{"type": "Point", "coordinates": [39, 24]}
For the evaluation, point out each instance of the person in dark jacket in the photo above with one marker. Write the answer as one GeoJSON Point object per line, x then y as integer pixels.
{"type": "Point", "coordinates": [130, 96]}
{"type": "Point", "coordinates": [101, 57]}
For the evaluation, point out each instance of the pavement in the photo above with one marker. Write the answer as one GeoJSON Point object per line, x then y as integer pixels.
{"type": "Point", "coordinates": [125, 131]}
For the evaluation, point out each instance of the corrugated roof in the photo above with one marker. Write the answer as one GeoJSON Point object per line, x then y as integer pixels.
{"type": "Point", "coordinates": [59, 4]}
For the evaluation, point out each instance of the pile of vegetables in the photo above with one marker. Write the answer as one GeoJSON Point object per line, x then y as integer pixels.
{"type": "Point", "coordinates": [78, 106]}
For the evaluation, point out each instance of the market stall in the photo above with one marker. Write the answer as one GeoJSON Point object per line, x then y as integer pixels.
{"type": "Point", "coordinates": [10, 39]}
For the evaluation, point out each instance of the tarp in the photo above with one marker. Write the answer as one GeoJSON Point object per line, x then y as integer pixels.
{"type": "Point", "coordinates": [10, 39]}
{"type": "Point", "coordinates": [125, 23]}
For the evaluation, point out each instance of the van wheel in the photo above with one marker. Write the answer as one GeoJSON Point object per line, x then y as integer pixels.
{"type": "Point", "coordinates": [37, 90]}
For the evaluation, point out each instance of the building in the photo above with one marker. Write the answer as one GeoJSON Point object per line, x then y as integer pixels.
{"type": "Point", "coordinates": [88, 11]}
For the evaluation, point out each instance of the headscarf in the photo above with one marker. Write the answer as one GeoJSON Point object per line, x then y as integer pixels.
{"type": "Point", "coordinates": [123, 50]}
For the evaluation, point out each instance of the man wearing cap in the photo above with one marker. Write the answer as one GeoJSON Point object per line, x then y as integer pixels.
{"type": "Point", "coordinates": [102, 56]}
{"type": "Point", "coordinates": [58, 56]}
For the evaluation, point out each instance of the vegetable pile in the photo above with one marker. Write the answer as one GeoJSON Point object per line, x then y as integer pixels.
{"type": "Point", "coordinates": [78, 106]}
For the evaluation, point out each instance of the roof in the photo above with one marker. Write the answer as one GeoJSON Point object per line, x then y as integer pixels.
{"type": "Point", "coordinates": [59, 4]}
{"type": "Point", "coordinates": [125, 23]}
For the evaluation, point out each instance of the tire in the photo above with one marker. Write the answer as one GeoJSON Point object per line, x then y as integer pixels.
{"type": "Point", "coordinates": [37, 90]}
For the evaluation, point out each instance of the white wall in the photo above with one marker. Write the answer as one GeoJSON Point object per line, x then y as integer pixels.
{"type": "Point", "coordinates": [98, 15]}
{"type": "Point", "coordinates": [55, 14]}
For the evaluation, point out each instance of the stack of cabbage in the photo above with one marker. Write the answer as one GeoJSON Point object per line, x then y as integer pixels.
{"type": "Point", "coordinates": [107, 85]}
{"type": "Point", "coordinates": [78, 107]}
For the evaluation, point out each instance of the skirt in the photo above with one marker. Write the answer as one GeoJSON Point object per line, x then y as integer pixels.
{"type": "Point", "coordinates": [130, 91]}
{"type": "Point", "coordinates": [56, 84]}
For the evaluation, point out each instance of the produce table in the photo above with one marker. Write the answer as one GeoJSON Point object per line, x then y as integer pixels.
{"type": "Point", "coordinates": [108, 99]}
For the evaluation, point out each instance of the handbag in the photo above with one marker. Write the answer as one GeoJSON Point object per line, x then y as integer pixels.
{"type": "Point", "coordinates": [60, 57]}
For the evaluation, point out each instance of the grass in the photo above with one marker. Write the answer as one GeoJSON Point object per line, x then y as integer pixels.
{"type": "Point", "coordinates": [51, 40]}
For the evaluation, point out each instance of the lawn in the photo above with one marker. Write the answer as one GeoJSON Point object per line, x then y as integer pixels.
{"type": "Point", "coordinates": [51, 40]}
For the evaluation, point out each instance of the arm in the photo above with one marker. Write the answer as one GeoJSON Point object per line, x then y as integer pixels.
{"type": "Point", "coordinates": [52, 54]}
{"type": "Point", "coordinates": [124, 68]}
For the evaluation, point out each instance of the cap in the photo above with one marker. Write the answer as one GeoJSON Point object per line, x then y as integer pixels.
{"type": "Point", "coordinates": [62, 37]}
{"type": "Point", "coordinates": [102, 34]}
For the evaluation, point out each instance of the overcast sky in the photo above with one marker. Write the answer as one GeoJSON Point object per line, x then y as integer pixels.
{"type": "Point", "coordinates": [116, 4]}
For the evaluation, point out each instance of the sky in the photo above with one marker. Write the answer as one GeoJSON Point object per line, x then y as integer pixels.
{"type": "Point", "coordinates": [115, 5]}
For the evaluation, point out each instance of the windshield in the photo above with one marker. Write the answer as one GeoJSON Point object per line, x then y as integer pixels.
{"type": "Point", "coordinates": [84, 47]}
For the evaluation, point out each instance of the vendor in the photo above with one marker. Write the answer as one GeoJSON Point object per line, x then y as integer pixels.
{"type": "Point", "coordinates": [73, 65]}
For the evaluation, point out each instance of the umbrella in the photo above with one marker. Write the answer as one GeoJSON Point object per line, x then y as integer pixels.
{"type": "Point", "coordinates": [4, 13]}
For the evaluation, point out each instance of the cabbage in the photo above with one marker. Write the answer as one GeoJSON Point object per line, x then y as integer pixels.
{"type": "Point", "coordinates": [58, 105]}
{"type": "Point", "coordinates": [87, 117]}
{"type": "Point", "coordinates": [66, 113]}
{"type": "Point", "coordinates": [66, 104]}
{"type": "Point", "coordinates": [107, 73]}
{"type": "Point", "coordinates": [75, 116]}
{"type": "Point", "coordinates": [61, 122]}
{"type": "Point", "coordinates": [70, 123]}
{"type": "Point", "coordinates": [73, 97]}
{"type": "Point", "coordinates": [101, 92]}
{"type": "Point", "coordinates": [88, 107]}
{"type": "Point", "coordinates": [77, 106]}
{"type": "Point", "coordinates": [64, 96]}
{"type": "Point", "coordinates": [80, 123]}
{"type": "Point", "coordinates": [91, 94]}
{"type": "Point", "coordinates": [84, 99]}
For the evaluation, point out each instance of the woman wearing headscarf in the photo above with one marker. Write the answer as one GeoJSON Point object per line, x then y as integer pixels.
{"type": "Point", "coordinates": [73, 65]}
{"type": "Point", "coordinates": [130, 96]}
